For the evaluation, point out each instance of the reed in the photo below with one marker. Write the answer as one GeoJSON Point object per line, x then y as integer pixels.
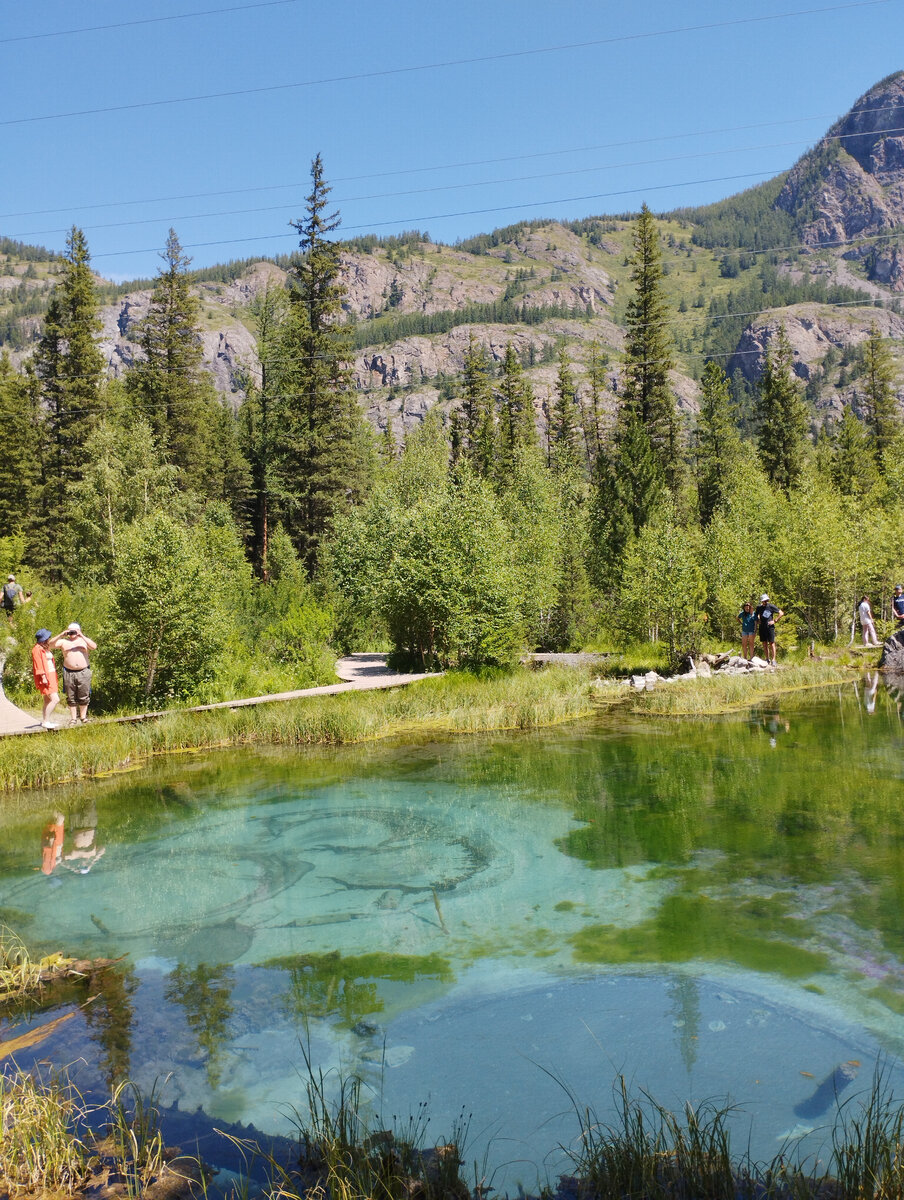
{"type": "Point", "coordinates": [457, 703]}
{"type": "Point", "coordinates": [19, 973]}
{"type": "Point", "coordinates": [40, 1147]}
{"type": "Point", "coordinates": [734, 693]}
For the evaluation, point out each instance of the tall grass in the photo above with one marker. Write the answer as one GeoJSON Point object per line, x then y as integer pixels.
{"type": "Point", "coordinates": [40, 1147]}
{"type": "Point", "coordinates": [456, 703]}
{"type": "Point", "coordinates": [732, 693]}
{"type": "Point", "coordinates": [342, 1158]}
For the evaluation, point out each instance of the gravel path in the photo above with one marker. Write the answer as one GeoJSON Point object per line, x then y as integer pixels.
{"type": "Point", "coordinates": [359, 672]}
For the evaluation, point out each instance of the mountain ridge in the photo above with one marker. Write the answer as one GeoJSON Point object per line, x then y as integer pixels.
{"type": "Point", "coordinates": [823, 240]}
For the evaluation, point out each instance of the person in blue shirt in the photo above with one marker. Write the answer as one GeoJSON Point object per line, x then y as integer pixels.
{"type": "Point", "coordinates": [897, 606]}
{"type": "Point", "coordinates": [747, 617]}
{"type": "Point", "coordinates": [767, 614]}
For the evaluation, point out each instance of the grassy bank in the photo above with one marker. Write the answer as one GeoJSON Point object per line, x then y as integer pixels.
{"type": "Point", "coordinates": [733, 693]}
{"type": "Point", "coordinates": [456, 703]}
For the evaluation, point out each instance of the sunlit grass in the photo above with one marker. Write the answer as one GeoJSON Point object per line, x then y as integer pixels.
{"type": "Point", "coordinates": [456, 703]}
{"type": "Point", "coordinates": [733, 693]}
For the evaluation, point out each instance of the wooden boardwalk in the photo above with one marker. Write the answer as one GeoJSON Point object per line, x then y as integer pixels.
{"type": "Point", "coordinates": [359, 672]}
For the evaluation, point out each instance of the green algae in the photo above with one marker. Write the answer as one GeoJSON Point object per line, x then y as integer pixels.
{"type": "Point", "coordinates": [697, 927]}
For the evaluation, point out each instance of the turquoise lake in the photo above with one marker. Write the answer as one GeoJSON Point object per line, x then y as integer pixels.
{"type": "Point", "coordinates": [492, 925]}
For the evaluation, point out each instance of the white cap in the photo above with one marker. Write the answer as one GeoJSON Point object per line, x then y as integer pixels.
{"type": "Point", "coordinates": [73, 627]}
{"type": "Point", "coordinates": [763, 599]}
{"type": "Point", "coordinates": [11, 579]}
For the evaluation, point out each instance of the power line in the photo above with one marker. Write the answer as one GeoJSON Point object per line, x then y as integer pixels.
{"type": "Point", "coordinates": [472, 212]}
{"type": "Point", "coordinates": [208, 12]}
{"type": "Point", "coordinates": [442, 65]}
{"type": "Point", "coordinates": [478, 162]}
{"type": "Point", "coordinates": [451, 187]}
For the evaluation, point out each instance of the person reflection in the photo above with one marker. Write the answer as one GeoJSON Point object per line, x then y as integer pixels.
{"type": "Point", "coordinates": [52, 843]}
{"type": "Point", "coordinates": [870, 688]}
{"type": "Point", "coordinates": [774, 723]}
{"type": "Point", "coordinates": [85, 852]}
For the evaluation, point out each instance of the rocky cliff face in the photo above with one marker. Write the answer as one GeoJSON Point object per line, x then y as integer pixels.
{"type": "Point", "coordinates": [852, 184]}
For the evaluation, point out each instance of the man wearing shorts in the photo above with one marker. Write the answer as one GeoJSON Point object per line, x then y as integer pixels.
{"type": "Point", "coordinates": [767, 614]}
{"type": "Point", "coordinates": [76, 669]}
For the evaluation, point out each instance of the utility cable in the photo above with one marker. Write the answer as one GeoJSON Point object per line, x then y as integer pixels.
{"type": "Point", "coordinates": [208, 12]}
{"type": "Point", "coordinates": [478, 162]}
{"type": "Point", "coordinates": [448, 187]}
{"type": "Point", "coordinates": [443, 65]}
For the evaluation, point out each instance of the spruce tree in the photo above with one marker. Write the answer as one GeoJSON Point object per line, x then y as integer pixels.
{"type": "Point", "coordinates": [478, 410]}
{"type": "Point", "coordinates": [879, 400]}
{"type": "Point", "coordinates": [648, 350]}
{"type": "Point", "coordinates": [718, 442]}
{"type": "Point", "coordinates": [329, 454]}
{"type": "Point", "coordinates": [517, 426]}
{"type": "Point", "coordinates": [261, 424]}
{"type": "Point", "coordinates": [782, 414]}
{"type": "Point", "coordinates": [592, 409]}
{"type": "Point", "coordinates": [854, 467]}
{"type": "Point", "coordinates": [172, 391]}
{"type": "Point", "coordinates": [70, 367]}
{"type": "Point", "coordinates": [21, 433]}
{"type": "Point", "coordinates": [564, 431]}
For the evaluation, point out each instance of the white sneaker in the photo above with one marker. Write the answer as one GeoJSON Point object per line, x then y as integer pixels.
{"type": "Point", "coordinates": [49, 725]}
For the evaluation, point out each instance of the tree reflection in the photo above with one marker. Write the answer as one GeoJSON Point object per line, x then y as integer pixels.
{"type": "Point", "coordinates": [109, 1020]}
{"type": "Point", "coordinates": [205, 992]}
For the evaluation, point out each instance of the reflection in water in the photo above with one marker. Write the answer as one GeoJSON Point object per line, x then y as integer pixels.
{"type": "Point", "coordinates": [205, 994]}
{"type": "Point", "coordinates": [109, 1017]}
{"type": "Point", "coordinates": [695, 899]}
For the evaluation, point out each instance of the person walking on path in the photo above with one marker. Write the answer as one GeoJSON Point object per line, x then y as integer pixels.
{"type": "Point", "coordinates": [767, 614]}
{"type": "Point", "coordinates": [44, 670]}
{"type": "Point", "coordinates": [897, 606]}
{"type": "Point", "coordinates": [76, 669]}
{"type": "Point", "coordinates": [747, 617]}
{"type": "Point", "coordinates": [12, 595]}
{"type": "Point", "coordinates": [867, 627]}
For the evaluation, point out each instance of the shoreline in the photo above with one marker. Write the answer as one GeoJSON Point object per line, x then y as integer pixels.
{"type": "Point", "coordinates": [450, 705]}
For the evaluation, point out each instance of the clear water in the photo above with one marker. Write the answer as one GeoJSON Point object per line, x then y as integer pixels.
{"type": "Point", "coordinates": [491, 925]}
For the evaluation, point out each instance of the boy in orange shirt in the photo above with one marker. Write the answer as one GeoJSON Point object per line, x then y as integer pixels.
{"type": "Point", "coordinates": [44, 670]}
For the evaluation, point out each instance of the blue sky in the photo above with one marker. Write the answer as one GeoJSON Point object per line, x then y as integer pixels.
{"type": "Point", "coordinates": [560, 109]}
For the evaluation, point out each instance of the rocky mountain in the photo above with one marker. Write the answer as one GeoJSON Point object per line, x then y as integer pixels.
{"type": "Point", "coordinates": [819, 250]}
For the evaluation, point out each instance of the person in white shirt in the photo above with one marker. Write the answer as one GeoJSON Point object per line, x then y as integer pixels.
{"type": "Point", "coordinates": [867, 628]}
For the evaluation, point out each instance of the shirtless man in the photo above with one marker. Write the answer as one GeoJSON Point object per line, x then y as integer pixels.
{"type": "Point", "coordinates": [76, 669]}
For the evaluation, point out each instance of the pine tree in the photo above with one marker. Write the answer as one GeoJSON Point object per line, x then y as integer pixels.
{"type": "Point", "coordinates": [262, 422]}
{"type": "Point", "coordinates": [648, 350]}
{"type": "Point", "coordinates": [478, 410]}
{"type": "Point", "coordinates": [564, 418]}
{"type": "Point", "coordinates": [517, 426]}
{"type": "Point", "coordinates": [718, 442]}
{"type": "Point", "coordinates": [172, 391]}
{"type": "Point", "coordinates": [782, 414]}
{"type": "Point", "coordinates": [329, 456]}
{"type": "Point", "coordinates": [592, 410]}
{"type": "Point", "coordinates": [21, 434]}
{"type": "Point", "coordinates": [854, 467]}
{"type": "Point", "coordinates": [879, 400]}
{"type": "Point", "coordinates": [628, 487]}
{"type": "Point", "coordinates": [69, 366]}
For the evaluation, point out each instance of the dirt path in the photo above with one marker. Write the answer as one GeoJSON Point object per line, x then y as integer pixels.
{"type": "Point", "coordinates": [359, 672]}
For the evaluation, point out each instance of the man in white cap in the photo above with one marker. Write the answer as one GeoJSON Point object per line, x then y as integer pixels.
{"type": "Point", "coordinates": [767, 614]}
{"type": "Point", "coordinates": [76, 669]}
